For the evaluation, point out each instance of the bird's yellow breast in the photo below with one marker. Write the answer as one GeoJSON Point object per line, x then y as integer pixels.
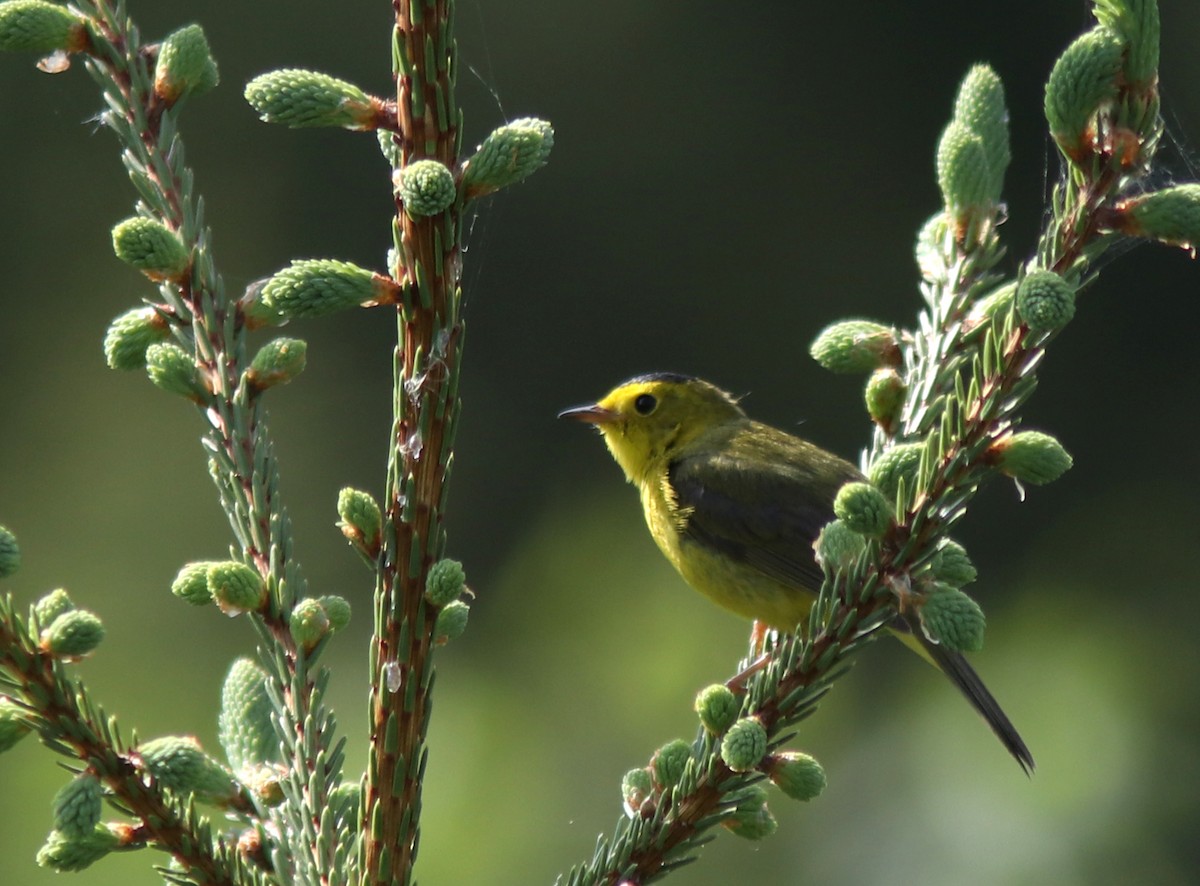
{"type": "Point", "coordinates": [738, 587]}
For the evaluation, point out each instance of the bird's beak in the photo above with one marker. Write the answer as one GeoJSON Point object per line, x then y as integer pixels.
{"type": "Point", "coordinates": [593, 415]}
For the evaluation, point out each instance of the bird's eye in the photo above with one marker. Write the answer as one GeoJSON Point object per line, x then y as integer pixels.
{"type": "Point", "coordinates": [645, 403]}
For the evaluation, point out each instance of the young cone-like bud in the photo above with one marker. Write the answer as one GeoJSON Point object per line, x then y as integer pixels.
{"type": "Point", "coordinates": [980, 107]}
{"type": "Point", "coordinates": [73, 634]}
{"type": "Point", "coordinates": [427, 187]}
{"type": "Point", "coordinates": [64, 852]}
{"type": "Point", "coordinates": [863, 508]}
{"type": "Point", "coordinates": [1031, 457]}
{"type": "Point", "coordinates": [1045, 301]}
{"type": "Point", "coordinates": [508, 155]}
{"type": "Point", "coordinates": [884, 396]}
{"type": "Point", "coordinates": [191, 583]}
{"type": "Point", "coordinates": [361, 520]}
{"type": "Point", "coordinates": [51, 606]}
{"type": "Point", "coordinates": [951, 565]}
{"type": "Point", "coordinates": [185, 65]}
{"type": "Point", "coordinates": [838, 546]}
{"type": "Point", "coordinates": [856, 346]}
{"type": "Point", "coordinates": [322, 286]}
{"type": "Point", "coordinates": [179, 763]}
{"type": "Point", "coordinates": [337, 609]}
{"type": "Point", "coordinates": [172, 369]}
{"type": "Point", "coordinates": [1171, 216]}
{"type": "Point", "coordinates": [151, 247]}
{"type": "Point", "coordinates": [717, 707]}
{"type": "Point", "coordinates": [1084, 78]}
{"type": "Point", "coordinates": [901, 462]}
{"type": "Point", "coordinates": [297, 98]}
{"type": "Point", "coordinates": [10, 553]}
{"type": "Point", "coordinates": [14, 724]}
{"type": "Point", "coordinates": [236, 587]}
{"type": "Point", "coordinates": [752, 819]}
{"type": "Point", "coordinates": [277, 363]}
{"type": "Point", "coordinates": [77, 805]}
{"type": "Point", "coordinates": [37, 26]}
{"type": "Point", "coordinates": [669, 762]}
{"type": "Point", "coordinates": [798, 775]}
{"type": "Point", "coordinates": [445, 583]}
{"type": "Point", "coordinates": [744, 744]}
{"type": "Point", "coordinates": [963, 173]}
{"type": "Point", "coordinates": [130, 334]}
{"type": "Point", "coordinates": [1137, 24]}
{"type": "Point", "coordinates": [952, 619]}
{"type": "Point", "coordinates": [451, 622]}
{"type": "Point", "coordinates": [636, 788]}
{"type": "Point", "coordinates": [309, 624]}
{"type": "Point", "coordinates": [244, 723]}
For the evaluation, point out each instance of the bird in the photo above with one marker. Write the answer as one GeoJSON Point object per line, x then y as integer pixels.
{"type": "Point", "coordinates": [735, 505]}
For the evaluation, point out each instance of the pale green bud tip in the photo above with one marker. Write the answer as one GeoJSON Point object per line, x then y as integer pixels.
{"type": "Point", "coordinates": [1031, 457]}
{"type": "Point", "coordinates": [73, 634]}
{"type": "Point", "coordinates": [838, 546]}
{"type": "Point", "coordinates": [963, 173]}
{"type": "Point", "coordinates": [309, 624]}
{"type": "Point", "coordinates": [717, 707]}
{"type": "Point", "coordinates": [1045, 301]}
{"type": "Point", "coordinates": [236, 587]}
{"type": "Point", "coordinates": [64, 852]}
{"type": "Point", "coordinates": [901, 462]}
{"type": "Point", "coordinates": [361, 519]}
{"type": "Point", "coordinates": [798, 775]}
{"type": "Point", "coordinates": [51, 606]}
{"type": "Point", "coordinates": [277, 363]}
{"type": "Point", "coordinates": [14, 724]}
{"type": "Point", "coordinates": [669, 761]}
{"type": "Point", "coordinates": [508, 155]}
{"type": "Point", "coordinates": [179, 763]}
{"type": "Point", "coordinates": [856, 346]}
{"type": "Point", "coordinates": [1170, 216]}
{"type": "Point", "coordinates": [953, 566]}
{"type": "Point", "coordinates": [451, 622]}
{"type": "Point", "coordinates": [172, 369]}
{"type": "Point", "coordinates": [317, 287]}
{"type": "Point", "coordinates": [1083, 79]}
{"type": "Point", "coordinates": [337, 609]}
{"type": "Point", "coordinates": [863, 508]}
{"type": "Point", "coordinates": [427, 187]}
{"type": "Point", "coordinates": [637, 787]}
{"type": "Point", "coordinates": [884, 397]}
{"type": "Point", "coordinates": [744, 744]}
{"type": "Point", "coordinates": [185, 65]}
{"type": "Point", "coordinates": [36, 26]}
{"type": "Point", "coordinates": [10, 553]}
{"type": "Point", "coordinates": [191, 583]}
{"type": "Point", "coordinates": [151, 247]}
{"type": "Point", "coordinates": [1137, 22]}
{"type": "Point", "coordinates": [952, 619]}
{"type": "Point", "coordinates": [77, 805]}
{"type": "Point", "coordinates": [244, 723]}
{"type": "Point", "coordinates": [980, 107]}
{"type": "Point", "coordinates": [299, 98]}
{"type": "Point", "coordinates": [752, 819]}
{"type": "Point", "coordinates": [130, 334]}
{"type": "Point", "coordinates": [445, 582]}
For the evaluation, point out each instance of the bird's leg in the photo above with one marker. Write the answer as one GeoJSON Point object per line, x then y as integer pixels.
{"type": "Point", "coordinates": [758, 655]}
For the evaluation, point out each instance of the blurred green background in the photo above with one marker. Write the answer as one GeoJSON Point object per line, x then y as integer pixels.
{"type": "Point", "coordinates": [727, 179]}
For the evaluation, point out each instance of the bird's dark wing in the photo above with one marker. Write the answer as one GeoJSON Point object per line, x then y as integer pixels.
{"type": "Point", "coordinates": [761, 501]}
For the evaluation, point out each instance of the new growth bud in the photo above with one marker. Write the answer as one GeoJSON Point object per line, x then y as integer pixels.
{"type": "Point", "coordinates": [64, 852]}
{"type": "Point", "coordinates": [952, 619]}
{"type": "Point", "coordinates": [297, 98]}
{"type": "Point", "coordinates": [51, 606]}
{"type": "Point", "coordinates": [798, 775]}
{"type": "Point", "coordinates": [10, 553]}
{"type": "Point", "coordinates": [744, 744]}
{"type": "Point", "coordinates": [951, 565]}
{"type": "Point", "coordinates": [901, 462]}
{"type": "Point", "coordinates": [636, 788]}
{"type": "Point", "coordinates": [151, 247]}
{"type": "Point", "coordinates": [73, 634]}
{"type": "Point", "coordinates": [277, 363]}
{"type": "Point", "coordinates": [669, 761]}
{"type": "Point", "coordinates": [856, 346]}
{"type": "Point", "coordinates": [185, 65]}
{"type": "Point", "coordinates": [445, 583]}
{"type": "Point", "coordinates": [1171, 216]}
{"type": "Point", "coordinates": [864, 509]}
{"type": "Point", "coordinates": [752, 819]}
{"type": "Point", "coordinates": [77, 805]}
{"type": "Point", "coordinates": [838, 546]}
{"type": "Point", "coordinates": [451, 622]}
{"type": "Point", "coordinates": [14, 724]}
{"type": "Point", "coordinates": [318, 287]}
{"type": "Point", "coordinates": [962, 171]}
{"type": "Point", "coordinates": [1045, 301]}
{"type": "Point", "coordinates": [236, 587]}
{"type": "Point", "coordinates": [1031, 457]}
{"type": "Point", "coordinates": [244, 723]}
{"type": "Point", "coordinates": [1084, 78]}
{"type": "Point", "coordinates": [510, 154]}
{"type": "Point", "coordinates": [308, 624]}
{"type": "Point", "coordinates": [884, 396]}
{"type": "Point", "coordinates": [37, 26]}
{"type": "Point", "coordinates": [717, 707]}
{"type": "Point", "coordinates": [426, 187]}
{"type": "Point", "coordinates": [178, 763]}
{"type": "Point", "coordinates": [191, 583]}
{"type": "Point", "coordinates": [172, 369]}
{"type": "Point", "coordinates": [130, 334]}
{"type": "Point", "coordinates": [361, 520]}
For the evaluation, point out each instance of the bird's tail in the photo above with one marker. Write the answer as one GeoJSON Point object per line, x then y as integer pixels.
{"type": "Point", "coordinates": [962, 675]}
